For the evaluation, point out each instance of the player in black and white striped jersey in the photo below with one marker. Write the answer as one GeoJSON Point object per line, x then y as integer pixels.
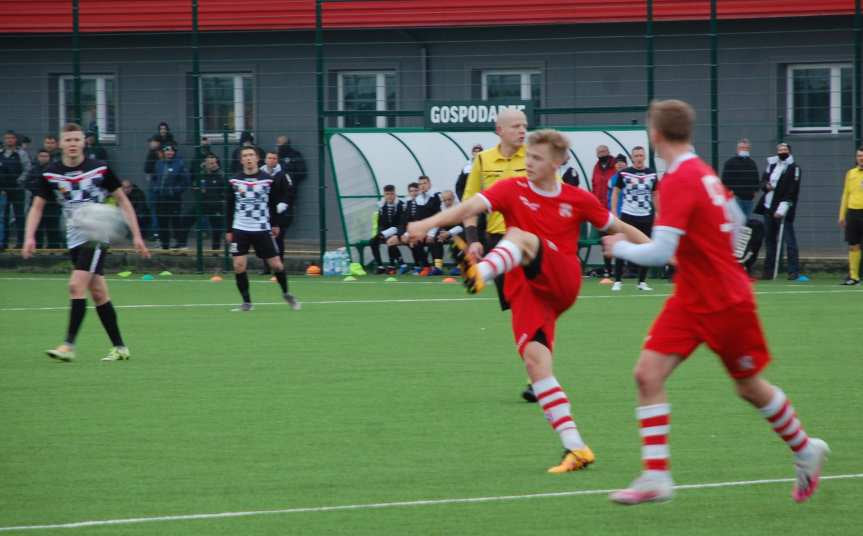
{"type": "Point", "coordinates": [254, 204]}
{"type": "Point", "coordinates": [77, 183]}
{"type": "Point", "coordinates": [637, 184]}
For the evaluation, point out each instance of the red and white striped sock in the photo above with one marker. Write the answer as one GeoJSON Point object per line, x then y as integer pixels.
{"type": "Point", "coordinates": [654, 423]}
{"type": "Point", "coordinates": [503, 258]}
{"type": "Point", "coordinates": [781, 415]}
{"type": "Point", "coordinates": [555, 406]}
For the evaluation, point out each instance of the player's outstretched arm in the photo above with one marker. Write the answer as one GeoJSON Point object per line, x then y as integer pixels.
{"type": "Point", "coordinates": [655, 252]}
{"type": "Point", "coordinates": [470, 208]}
{"type": "Point", "coordinates": [629, 232]}
{"type": "Point", "coordinates": [132, 221]}
{"type": "Point", "coordinates": [33, 219]}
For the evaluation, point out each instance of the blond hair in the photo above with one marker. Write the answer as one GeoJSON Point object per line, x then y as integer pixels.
{"type": "Point", "coordinates": [672, 118]}
{"type": "Point", "coordinates": [557, 142]}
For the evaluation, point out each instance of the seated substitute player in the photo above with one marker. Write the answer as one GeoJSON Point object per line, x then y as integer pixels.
{"type": "Point", "coordinates": [413, 212]}
{"type": "Point", "coordinates": [76, 182]}
{"type": "Point", "coordinates": [712, 303]}
{"type": "Point", "coordinates": [388, 228]}
{"type": "Point", "coordinates": [252, 216]}
{"type": "Point", "coordinates": [540, 253]}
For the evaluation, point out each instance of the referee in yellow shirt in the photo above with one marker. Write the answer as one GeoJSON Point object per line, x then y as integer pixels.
{"type": "Point", "coordinates": [502, 161]}
{"type": "Point", "coordinates": [851, 217]}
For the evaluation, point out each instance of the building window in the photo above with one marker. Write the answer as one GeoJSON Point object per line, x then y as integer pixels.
{"type": "Point", "coordinates": [98, 104]}
{"type": "Point", "coordinates": [820, 98]}
{"type": "Point", "coordinates": [366, 91]}
{"type": "Point", "coordinates": [522, 85]}
{"type": "Point", "coordinates": [227, 101]}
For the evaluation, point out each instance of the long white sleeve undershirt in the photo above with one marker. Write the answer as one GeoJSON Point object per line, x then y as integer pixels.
{"type": "Point", "coordinates": [657, 252]}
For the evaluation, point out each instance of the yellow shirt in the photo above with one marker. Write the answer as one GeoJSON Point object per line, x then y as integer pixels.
{"type": "Point", "coordinates": [852, 195]}
{"type": "Point", "coordinates": [488, 167]}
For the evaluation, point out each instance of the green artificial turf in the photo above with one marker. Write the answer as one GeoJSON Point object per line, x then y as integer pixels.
{"type": "Point", "coordinates": [379, 393]}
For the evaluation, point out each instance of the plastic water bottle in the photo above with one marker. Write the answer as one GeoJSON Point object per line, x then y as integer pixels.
{"type": "Point", "coordinates": [329, 263]}
{"type": "Point", "coordinates": [343, 262]}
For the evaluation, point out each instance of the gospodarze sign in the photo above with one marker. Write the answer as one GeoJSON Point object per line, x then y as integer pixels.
{"type": "Point", "coordinates": [473, 114]}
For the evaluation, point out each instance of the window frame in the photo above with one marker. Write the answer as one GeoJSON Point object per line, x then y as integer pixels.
{"type": "Point", "coordinates": [835, 126]}
{"type": "Point", "coordinates": [101, 107]}
{"type": "Point", "coordinates": [526, 93]}
{"type": "Point", "coordinates": [239, 104]}
{"type": "Point", "coordinates": [381, 121]}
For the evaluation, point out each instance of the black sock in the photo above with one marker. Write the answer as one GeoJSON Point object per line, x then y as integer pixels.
{"type": "Point", "coordinates": [76, 317]}
{"type": "Point", "coordinates": [108, 316]}
{"type": "Point", "coordinates": [283, 281]}
{"type": "Point", "coordinates": [243, 285]}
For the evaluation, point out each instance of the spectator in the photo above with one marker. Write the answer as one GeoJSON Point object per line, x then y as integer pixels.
{"type": "Point", "coordinates": [600, 182]}
{"type": "Point", "coordinates": [445, 235]}
{"type": "Point", "coordinates": [291, 160]}
{"type": "Point", "coordinates": [462, 177]}
{"type": "Point", "coordinates": [24, 145]}
{"type": "Point", "coordinates": [570, 175]}
{"type": "Point", "coordinates": [740, 175]}
{"type": "Point", "coordinates": [637, 186]}
{"type": "Point", "coordinates": [213, 194]}
{"type": "Point", "coordinates": [412, 212]}
{"type": "Point", "coordinates": [51, 214]}
{"type": "Point", "coordinates": [14, 169]}
{"type": "Point", "coordinates": [778, 204]}
{"type": "Point", "coordinates": [171, 181]}
{"type": "Point", "coordinates": [851, 217]}
{"type": "Point", "coordinates": [430, 204]}
{"type": "Point", "coordinates": [93, 150]}
{"type": "Point", "coordinates": [246, 140]}
{"type": "Point", "coordinates": [49, 143]}
{"type": "Point", "coordinates": [283, 183]}
{"type": "Point", "coordinates": [386, 229]}
{"type": "Point", "coordinates": [164, 135]}
{"type": "Point", "coordinates": [138, 200]}
{"type": "Point", "coordinates": [154, 154]}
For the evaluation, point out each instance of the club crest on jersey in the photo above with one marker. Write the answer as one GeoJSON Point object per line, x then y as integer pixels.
{"type": "Point", "coordinates": [566, 210]}
{"type": "Point", "coordinates": [532, 206]}
{"type": "Point", "coordinates": [745, 363]}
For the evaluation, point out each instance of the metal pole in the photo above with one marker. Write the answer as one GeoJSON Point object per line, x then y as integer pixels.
{"type": "Point", "coordinates": [714, 88]}
{"type": "Point", "coordinates": [196, 130]}
{"type": "Point", "coordinates": [226, 170]}
{"type": "Point", "coordinates": [858, 78]}
{"type": "Point", "coordinates": [319, 71]}
{"type": "Point", "coordinates": [76, 65]}
{"type": "Point", "coordinates": [651, 69]}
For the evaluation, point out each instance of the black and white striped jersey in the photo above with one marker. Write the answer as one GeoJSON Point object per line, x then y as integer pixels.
{"type": "Point", "coordinates": [251, 202]}
{"type": "Point", "coordinates": [637, 187]}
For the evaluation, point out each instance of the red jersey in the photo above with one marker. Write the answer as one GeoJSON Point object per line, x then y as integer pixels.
{"type": "Point", "coordinates": [555, 217]}
{"type": "Point", "coordinates": [693, 203]}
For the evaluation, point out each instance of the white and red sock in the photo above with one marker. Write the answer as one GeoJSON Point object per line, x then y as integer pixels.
{"type": "Point", "coordinates": [555, 405]}
{"type": "Point", "coordinates": [654, 422]}
{"type": "Point", "coordinates": [503, 258]}
{"type": "Point", "coordinates": [781, 415]}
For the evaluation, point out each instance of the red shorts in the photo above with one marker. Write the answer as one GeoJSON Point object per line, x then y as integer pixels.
{"type": "Point", "coordinates": [734, 334]}
{"type": "Point", "coordinates": [540, 292]}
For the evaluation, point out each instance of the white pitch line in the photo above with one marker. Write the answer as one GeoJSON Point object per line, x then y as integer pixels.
{"type": "Point", "coordinates": [396, 504]}
{"type": "Point", "coordinates": [402, 300]}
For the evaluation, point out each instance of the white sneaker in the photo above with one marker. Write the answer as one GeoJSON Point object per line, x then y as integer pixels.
{"type": "Point", "coordinates": [617, 286]}
{"type": "Point", "coordinates": [807, 465]}
{"type": "Point", "coordinates": [646, 488]}
{"type": "Point", "coordinates": [643, 286]}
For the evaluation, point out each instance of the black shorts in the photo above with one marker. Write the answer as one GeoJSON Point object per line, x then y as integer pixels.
{"type": "Point", "coordinates": [89, 257]}
{"type": "Point", "coordinates": [262, 241]}
{"type": "Point", "coordinates": [854, 226]}
{"type": "Point", "coordinates": [642, 223]}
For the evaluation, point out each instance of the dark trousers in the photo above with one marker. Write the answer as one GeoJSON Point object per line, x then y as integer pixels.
{"type": "Point", "coordinates": [169, 212]}
{"type": "Point", "coordinates": [771, 238]}
{"type": "Point", "coordinates": [420, 256]}
{"type": "Point", "coordinates": [393, 251]}
{"type": "Point", "coordinates": [54, 238]}
{"type": "Point", "coordinates": [643, 224]}
{"type": "Point", "coordinates": [216, 222]}
{"type": "Point", "coordinates": [14, 205]}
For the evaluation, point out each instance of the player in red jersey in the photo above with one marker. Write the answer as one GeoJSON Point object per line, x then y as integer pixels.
{"type": "Point", "coordinates": [540, 252]}
{"type": "Point", "coordinates": [712, 303]}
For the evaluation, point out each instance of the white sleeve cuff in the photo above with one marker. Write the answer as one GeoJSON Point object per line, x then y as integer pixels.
{"type": "Point", "coordinates": [488, 207]}
{"type": "Point", "coordinates": [783, 207]}
{"type": "Point", "coordinates": [389, 232]}
{"type": "Point", "coordinates": [657, 252]}
{"type": "Point", "coordinates": [611, 220]}
{"type": "Point", "coordinates": [457, 230]}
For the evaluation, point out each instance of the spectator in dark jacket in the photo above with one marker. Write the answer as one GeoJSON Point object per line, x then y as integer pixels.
{"type": "Point", "coordinates": [740, 175]}
{"type": "Point", "coordinates": [93, 150]}
{"type": "Point", "coordinates": [138, 199]}
{"type": "Point", "coordinates": [291, 160]}
{"type": "Point", "coordinates": [386, 229]}
{"type": "Point", "coordinates": [164, 135]}
{"type": "Point", "coordinates": [282, 181]}
{"type": "Point", "coordinates": [171, 181]}
{"type": "Point", "coordinates": [14, 169]}
{"type": "Point", "coordinates": [778, 204]}
{"type": "Point", "coordinates": [50, 223]}
{"type": "Point", "coordinates": [213, 186]}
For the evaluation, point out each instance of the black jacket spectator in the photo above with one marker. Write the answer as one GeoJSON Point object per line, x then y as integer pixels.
{"type": "Point", "coordinates": [787, 189]}
{"type": "Point", "coordinates": [740, 175]}
{"type": "Point", "coordinates": [292, 162]}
